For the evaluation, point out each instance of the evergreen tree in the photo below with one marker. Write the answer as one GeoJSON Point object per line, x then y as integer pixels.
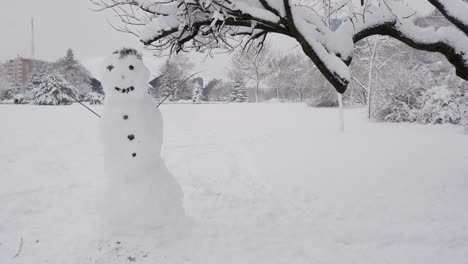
{"type": "Point", "coordinates": [197, 92]}
{"type": "Point", "coordinates": [5, 85]}
{"type": "Point", "coordinates": [37, 75]}
{"type": "Point", "coordinates": [16, 88]}
{"type": "Point", "coordinates": [54, 90]}
{"type": "Point", "coordinates": [238, 92]}
{"type": "Point", "coordinates": [74, 72]}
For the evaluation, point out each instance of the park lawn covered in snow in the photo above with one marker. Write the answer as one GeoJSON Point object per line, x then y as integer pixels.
{"type": "Point", "coordinates": [263, 183]}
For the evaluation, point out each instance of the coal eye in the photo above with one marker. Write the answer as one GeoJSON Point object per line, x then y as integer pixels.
{"type": "Point", "coordinates": [131, 67]}
{"type": "Point", "coordinates": [110, 67]}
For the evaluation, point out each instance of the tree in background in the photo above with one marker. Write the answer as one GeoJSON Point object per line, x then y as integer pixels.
{"type": "Point", "coordinates": [415, 86]}
{"type": "Point", "coordinates": [239, 93]}
{"type": "Point", "coordinates": [54, 90]}
{"type": "Point", "coordinates": [173, 73]}
{"type": "Point", "coordinates": [326, 33]}
{"type": "Point", "coordinates": [5, 84]}
{"type": "Point", "coordinates": [209, 88]}
{"type": "Point", "coordinates": [221, 92]}
{"type": "Point", "coordinates": [74, 72]}
{"type": "Point", "coordinates": [253, 63]}
{"type": "Point", "coordinates": [281, 67]}
{"type": "Point", "coordinates": [238, 90]}
{"type": "Point", "coordinates": [303, 76]}
{"type": "Point", "coordinates": [37, 76]}
{"type": "Point", "coordinates": [372, 55]}
{"type": "Point", "coordinates": [197, 91]}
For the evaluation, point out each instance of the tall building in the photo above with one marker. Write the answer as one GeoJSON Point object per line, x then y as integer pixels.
{"type": "Point", "coordinates": [19, 69]}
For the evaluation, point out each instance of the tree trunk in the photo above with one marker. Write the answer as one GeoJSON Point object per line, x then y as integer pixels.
{"type": "Point", "coordinates": [340, 102]}
{"type": "Point", "coordinates": [256, 92]}
{"type": "Point", "coordinates": [369, 87]}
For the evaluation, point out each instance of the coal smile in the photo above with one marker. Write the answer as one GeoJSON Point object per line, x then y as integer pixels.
{"type": "Point", "coordinates": [125, 90]}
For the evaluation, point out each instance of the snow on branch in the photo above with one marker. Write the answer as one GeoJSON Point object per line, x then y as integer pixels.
{"type": "Point", "coordinates": [326, 30]}
{"type": "Point", "coordinates": [456, 11]}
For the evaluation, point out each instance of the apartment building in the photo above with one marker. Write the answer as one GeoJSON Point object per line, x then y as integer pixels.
{"type": "Point", "coordinates": [19, 69]}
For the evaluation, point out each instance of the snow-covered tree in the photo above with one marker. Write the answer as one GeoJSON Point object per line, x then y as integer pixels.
{"type": "Point", "coordinates": [238, 90]}
{"type": "Point", "coordinates": [54, 90]}
{"type": "Point", "coordinates": [281, 67]}
{"type": "Point", "coordinates": [5, 84]}
{"type": "Point", "coordinates": [197, 92]}
{"type": "Point", "coordinates": [179, 25]}
{"type": "Point", "coordinates": [292, 75]}
{"type": "Point", "coordinates": [254, 64]}
{"type": "Point", "coordinates": [238, 93]}
{"type": "Point", "coordinates": [36, 77]}
{"type": "Point", "coordinates": [16, 93]}
{"type": "Point", "coordinates": [74, 72]}
{"type": "Point", "coordinates": [372, 55]}
{"type": "Point", "coordinates": [303, 77]}
{"type": "Point", "coordinates": [173, 73]}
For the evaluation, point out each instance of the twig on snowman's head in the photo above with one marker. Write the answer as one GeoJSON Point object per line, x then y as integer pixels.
{"type": "Point", "coordinates": [177, 87]}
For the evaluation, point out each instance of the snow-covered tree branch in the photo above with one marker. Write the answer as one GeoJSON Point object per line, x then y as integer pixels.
{"type": "Point", "coordinates": [180, 25]}
{"type": "Point", "coordinates": [455, 11]}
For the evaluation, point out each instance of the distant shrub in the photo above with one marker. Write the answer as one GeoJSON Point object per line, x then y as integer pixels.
{"type": "Point", "coordinates": [19, 99]}
{"type": "Point", "coordinates": [94, 98]}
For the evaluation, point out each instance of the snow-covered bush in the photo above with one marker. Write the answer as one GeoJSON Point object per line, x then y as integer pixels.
{"type": "Point", "coordinates": [94, 98]}
{"type": "Point", "coordinates": [440, 106]}
{"type": "Point", "coordinates": [11, 91]}
{"type": "Point", "coordinates": [54, 90]}
{"type": "Point", "coordinates": [19, 99]}
{"type": "Point", "coordinates": [397, 105]}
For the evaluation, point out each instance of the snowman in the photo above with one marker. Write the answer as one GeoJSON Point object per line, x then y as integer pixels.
{"type": "Point", "coordinates": [140, 193]}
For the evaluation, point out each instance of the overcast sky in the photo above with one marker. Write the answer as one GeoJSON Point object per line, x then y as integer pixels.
{"type": "Point", "coordinates": [63, 24]}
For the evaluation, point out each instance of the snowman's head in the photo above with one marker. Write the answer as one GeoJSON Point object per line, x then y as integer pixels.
{"type": "Point", "coordinates": [125, 75]}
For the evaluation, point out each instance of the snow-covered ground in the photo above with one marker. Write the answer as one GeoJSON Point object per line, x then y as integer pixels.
{"type": "Point", "coordinates": [263, 183]}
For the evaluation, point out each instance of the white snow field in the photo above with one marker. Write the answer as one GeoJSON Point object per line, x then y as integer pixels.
{"type": "Point", "coordinates": [263, 183]}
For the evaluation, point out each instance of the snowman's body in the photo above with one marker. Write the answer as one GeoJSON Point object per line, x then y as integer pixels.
{"type": "Point", "coordinates": [140, 192]}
